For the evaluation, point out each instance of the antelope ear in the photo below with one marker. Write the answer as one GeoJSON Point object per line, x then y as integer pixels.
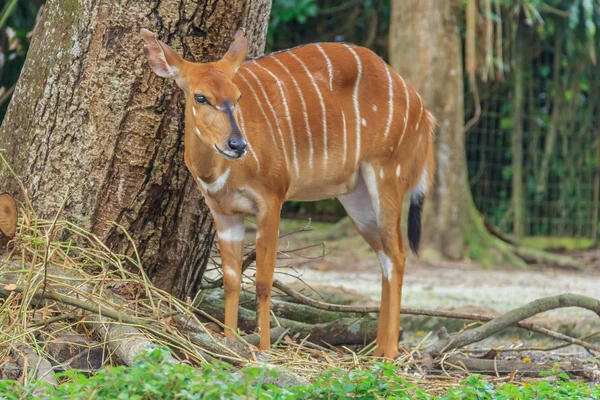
{"type": "Point", "coordinates": [237, 50]}
{"type": "Point", "coordinates": [164, 60]}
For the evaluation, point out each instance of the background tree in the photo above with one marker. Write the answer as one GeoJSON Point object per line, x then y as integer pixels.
{"type": "Point", "coordinates": [433, 64]}
{"type": "Point", "coordinates": [89, 116]}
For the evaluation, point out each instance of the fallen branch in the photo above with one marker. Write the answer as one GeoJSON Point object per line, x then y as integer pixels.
{"type": "Point", "coordinates": [340, 331]}
{"type": "Point", "coordinates": [495, 366]}
{"type": "Point", "coordinates": [125, 340]}
{"type": "Point", "coordinates": [42, 369]}
{"type": "Point", "coordinates": [276, 334]}
{"type": "Point", "coordinates": [514, 317]}
{"type": "Point", "coordinates": [125, 337]}
{"type": "Point", "coordinates": [522, 349]}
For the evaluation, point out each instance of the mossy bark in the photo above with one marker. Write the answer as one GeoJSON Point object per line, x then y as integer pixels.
{"type": "Point", "coordinates": [482, 246]}
{"type": "Point", "coordinates": [88, 115]}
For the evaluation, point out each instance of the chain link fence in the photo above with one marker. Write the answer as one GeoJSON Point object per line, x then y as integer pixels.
{"type": "Point", "coordinates": [551, 115]}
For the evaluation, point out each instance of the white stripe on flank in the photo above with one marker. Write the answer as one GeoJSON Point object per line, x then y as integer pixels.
{"type": "Point", "coordinates": [216, 185]}
{"type": "Point", "coordinates": [303, 103]}
{"type": "Point", "coordinates": [420, 115]}
{"type": "Point", "coordinates": [345, 139]}
{"type": "Point", "coordinates": [388, 124]}
{"type": "Point", "coordinates": [355, 99]}
{"type": "Point", "coordinates": [243, 128]}
{"type": "Point", "coordinates": [329, 66]}
{"type": "Point", "coordinates": [287, 115]}
{"type": "Point", "coordinates": [262, 89]}
{"type": "Point", "coordinates": [407, 110]}
{"type": "Point", "coordinates": [259, 105]}
{"type": "Point", "coordinates": [323, 111]}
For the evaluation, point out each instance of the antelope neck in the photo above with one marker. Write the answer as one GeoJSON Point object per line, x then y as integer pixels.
{"type": "Point", "coordinates": [206, 163]}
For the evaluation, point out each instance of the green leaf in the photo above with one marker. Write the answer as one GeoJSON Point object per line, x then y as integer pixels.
{"type": "Point", "coordinates": [506, 124]}
{"type": "Point", "coordinates": [545, 71]}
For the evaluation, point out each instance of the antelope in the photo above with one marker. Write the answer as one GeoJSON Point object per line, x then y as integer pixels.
{"type": "Point", "coordinates": [313, 122]}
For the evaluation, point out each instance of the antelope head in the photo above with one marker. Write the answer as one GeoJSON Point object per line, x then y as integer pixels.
{"type": "Point", "coordinates": [210, 94]}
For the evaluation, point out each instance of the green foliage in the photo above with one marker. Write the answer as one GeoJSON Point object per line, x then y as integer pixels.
{"type": "Point", "coordinates": [296, 22]}
{"type": "Point", "coordinates": [149, 378]}
{"type": "Point", "coordinates": [382, 381]}
{"type": "Point", "coordinates": [284, 11]}
{"type": "Point", "coordinates": [17, 19]}
{"type": "Point", "coordinates": [561, 86]}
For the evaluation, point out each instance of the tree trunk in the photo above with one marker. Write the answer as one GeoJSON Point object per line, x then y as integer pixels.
{"type": "Point", "coordinates": [425, 48]}
{"type": "Point", "coordinates": [90, 116]}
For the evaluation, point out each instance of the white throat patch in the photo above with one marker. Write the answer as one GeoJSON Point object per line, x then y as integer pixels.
{"type": "Point", "coordinates": [216, 185]}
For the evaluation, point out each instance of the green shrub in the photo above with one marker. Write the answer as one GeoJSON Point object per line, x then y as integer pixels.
{"type": "Point", "coordinates": [149, 378]}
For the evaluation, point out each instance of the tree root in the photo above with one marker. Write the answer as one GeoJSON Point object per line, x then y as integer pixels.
{"type": "Point", "coordinates": [536, 256]}
{"type": "Point", "coordinates": [489, 247]}
{"type": "Point", "coordinates": [484, 247]}
{"type": "Point", "coordinates": [502, 244]}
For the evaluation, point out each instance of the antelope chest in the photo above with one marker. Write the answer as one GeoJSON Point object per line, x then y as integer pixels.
{"type": "Point", "coordinates": [230, 202]}
{"type": "Point", "coordinates": [226, 200]}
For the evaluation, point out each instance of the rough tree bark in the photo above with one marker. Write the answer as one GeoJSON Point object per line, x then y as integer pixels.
{"type": "Point", "coordinates": [425, 48]}
{"type": "Point", "coordinates": [90, 116]}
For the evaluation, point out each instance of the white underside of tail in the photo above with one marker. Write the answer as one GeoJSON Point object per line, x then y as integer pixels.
{"type": "Point", "coordinates": [418, 192]}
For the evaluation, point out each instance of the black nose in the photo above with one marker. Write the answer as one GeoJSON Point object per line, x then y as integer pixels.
{"type": "Point", "coordinates": [238, 145]}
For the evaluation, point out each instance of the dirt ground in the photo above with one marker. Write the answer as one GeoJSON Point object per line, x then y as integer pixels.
{"type": "Point", "coordinates": [349, 263]}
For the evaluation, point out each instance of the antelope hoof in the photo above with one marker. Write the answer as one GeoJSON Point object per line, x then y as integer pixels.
{"type": "Point", "coordinates": [264, 346]}
{"type": "Point", "coordinates": [387, 352]}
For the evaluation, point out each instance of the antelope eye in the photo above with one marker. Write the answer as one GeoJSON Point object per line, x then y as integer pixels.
{"type": "Point", "coordinates": [200, 99]}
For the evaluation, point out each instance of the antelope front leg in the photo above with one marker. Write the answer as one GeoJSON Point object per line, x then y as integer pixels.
{"type": "Point", "coordinates": [267, 240]}
{"type": "Point", "coordinates": [230, 233]}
